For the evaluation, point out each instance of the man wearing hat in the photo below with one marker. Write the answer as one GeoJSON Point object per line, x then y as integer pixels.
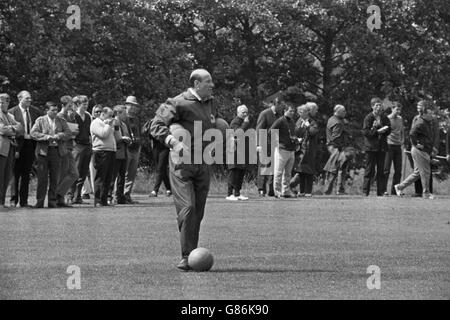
{"type": "Point", "coordinates": [134, 148]}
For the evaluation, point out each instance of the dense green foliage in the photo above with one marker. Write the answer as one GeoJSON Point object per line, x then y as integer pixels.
{"type": "Point", "coordinates": [310, 50]}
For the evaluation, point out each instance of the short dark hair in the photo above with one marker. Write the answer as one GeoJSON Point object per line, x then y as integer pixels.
{"type": "Point", "coordinates": [375, 100]}
{"type": "Point", "coordinates": [50, 104]}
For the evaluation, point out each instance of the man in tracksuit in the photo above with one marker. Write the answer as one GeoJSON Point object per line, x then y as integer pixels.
{"type": "Point", "coordinates": [189, 182]}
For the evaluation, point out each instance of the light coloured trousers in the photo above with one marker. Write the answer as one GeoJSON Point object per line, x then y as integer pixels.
{"type": "Point", "coordinates": [421, 171]}
{"type": "Point", "coordinates": [132, 166]}
{"type": "Point", "coordinates": [283, 164]}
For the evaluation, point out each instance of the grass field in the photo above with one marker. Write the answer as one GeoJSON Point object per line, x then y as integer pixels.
{"type": "Point", "coordinates": [317, 248]}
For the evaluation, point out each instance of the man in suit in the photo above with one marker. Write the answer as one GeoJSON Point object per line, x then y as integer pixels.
{"type": "Point", "coordinates": [51, 134]}
{"type": "Point", "coordinates": [9, 128]}
{"type": "Point", "coordinates": [26, 115]}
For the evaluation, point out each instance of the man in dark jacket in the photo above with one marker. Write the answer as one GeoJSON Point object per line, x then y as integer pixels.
{"type": "Point", "coordinates": [26, 115]}
{"type": "Point", "coordinates": [376, 128]}
{"type": "Point", "coordinates": [336, 166]}
{"type": "Point", "coordinates": [237, 169]}
{"type": "Point", "coordinates": [120, 163]}
{"type": "Point", "coordinates": [307, 129]}
{"type": "Point", "coordinates": [284, 153]}
{"type": "Point", "coordinates": [189, 181]}
{"type": "Point", "coordinates": [265, 120]}
{"type": "Point", "coordinates": [422, 141]}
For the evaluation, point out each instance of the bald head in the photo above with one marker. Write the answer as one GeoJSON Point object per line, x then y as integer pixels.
{"type": "Point", "coordinates": [339, 111]}
{"type": "Point", "coordinates": [201, 81]}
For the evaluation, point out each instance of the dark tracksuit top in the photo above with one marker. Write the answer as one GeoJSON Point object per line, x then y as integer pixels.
{"type": "Point", "coordinates": [190, 183]}
{"type": "Point", "coordinates": [286, 128]}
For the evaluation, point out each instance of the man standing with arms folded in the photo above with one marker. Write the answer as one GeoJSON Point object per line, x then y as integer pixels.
{"type": "Point", "coordinates": [395, 141]}
{"type": "Point", "coordinates": [421, 135]}
{"type": "Point", "coordinates": [51, 133]}
{"type": "Point", "coordinates": [82, 151]}
{"type": "Point", "coordinates": [9, 128]}
{"type": "Point", "coordinates": [376, 128]}
{"type": "Point", "coordinates": [26, 115]}
{"type": "Point", "coordinates": [134, 148]}
{"type": "Point", "coordinates": [69, 171]}
{"type": "Point", "coordinates": [189, 182]}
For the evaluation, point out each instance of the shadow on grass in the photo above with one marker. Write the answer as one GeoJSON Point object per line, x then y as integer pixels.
{"type": "Point", "coordinates": [268, 270]}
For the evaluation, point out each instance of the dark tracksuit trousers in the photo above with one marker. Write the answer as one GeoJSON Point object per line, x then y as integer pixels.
{"type": "Point", "coordinates": [190, 187]}
{"type": "Point", "coordinates": [161, 159]}
{"type": "Point", "coordinates": [235, 180]}
{"type": "Point", "coordinates": [374, 159]}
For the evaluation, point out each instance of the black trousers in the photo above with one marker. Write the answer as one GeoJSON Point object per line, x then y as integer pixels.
{"type": "Point", "coordinates": [393, 155]}
{"type": "Point", "coordinates": [22, 170]}
{"type": "Point", "coordinates": [374, 159]}
{"type": "Point", "coordinates": [82, 155]}
{"type": "Point", "coordinates": [48, 170]}
{"type": "Point", "coordinates": [118, 179]}
{"type": "Point", "coordinates": [190, 187]}
{"type": "Point", "coordinates": [161, 160]}
{"type": "Point", "coordinates": [235, 180]}
{"type": "Point", "coordinates": [305, 180]}
{"type": "Point", "coordinates": [104, 164]}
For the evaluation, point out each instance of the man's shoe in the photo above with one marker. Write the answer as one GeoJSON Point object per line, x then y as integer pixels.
{"type": "Point", "coordinates": [130, 201]}
{"type": "Point", "coordinates": [241, 197]}
{"type": "Point", "coordinates": [153, 194]}
{"type": "Point", "coordinates": [429, 196]}
{"type": "Point", "coordinates": [261, 193]}
{"type": "Point", "coordinates": [184, 265]}
{"type": "Point", "coordinates": [398, 191]}
{"type": "Point", "coordinates": [78, 201]}
{"type": "Point", "coordinates": [38, 206]}
{"type": "Point", "coordinates": [52, 205]}
{"type": "Point", "coordinates": [168, 193]}
{"type": "Point", "coordinates": [232, 198]}
{"type": "Point", "coordinates": [63, 205]}
{"type": "Point", "coordinates": [121, 201]}
{"type": "Point", "coordinates": [86, 196]}
{"type": "Point", "coordinates": [12, 204]}
{"type": "Point", "coordinates": [308, 195]}
{"type": "Point", "coordinates": [26, 205]}
{"type": "Point", "coordinates": [271, 194]}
